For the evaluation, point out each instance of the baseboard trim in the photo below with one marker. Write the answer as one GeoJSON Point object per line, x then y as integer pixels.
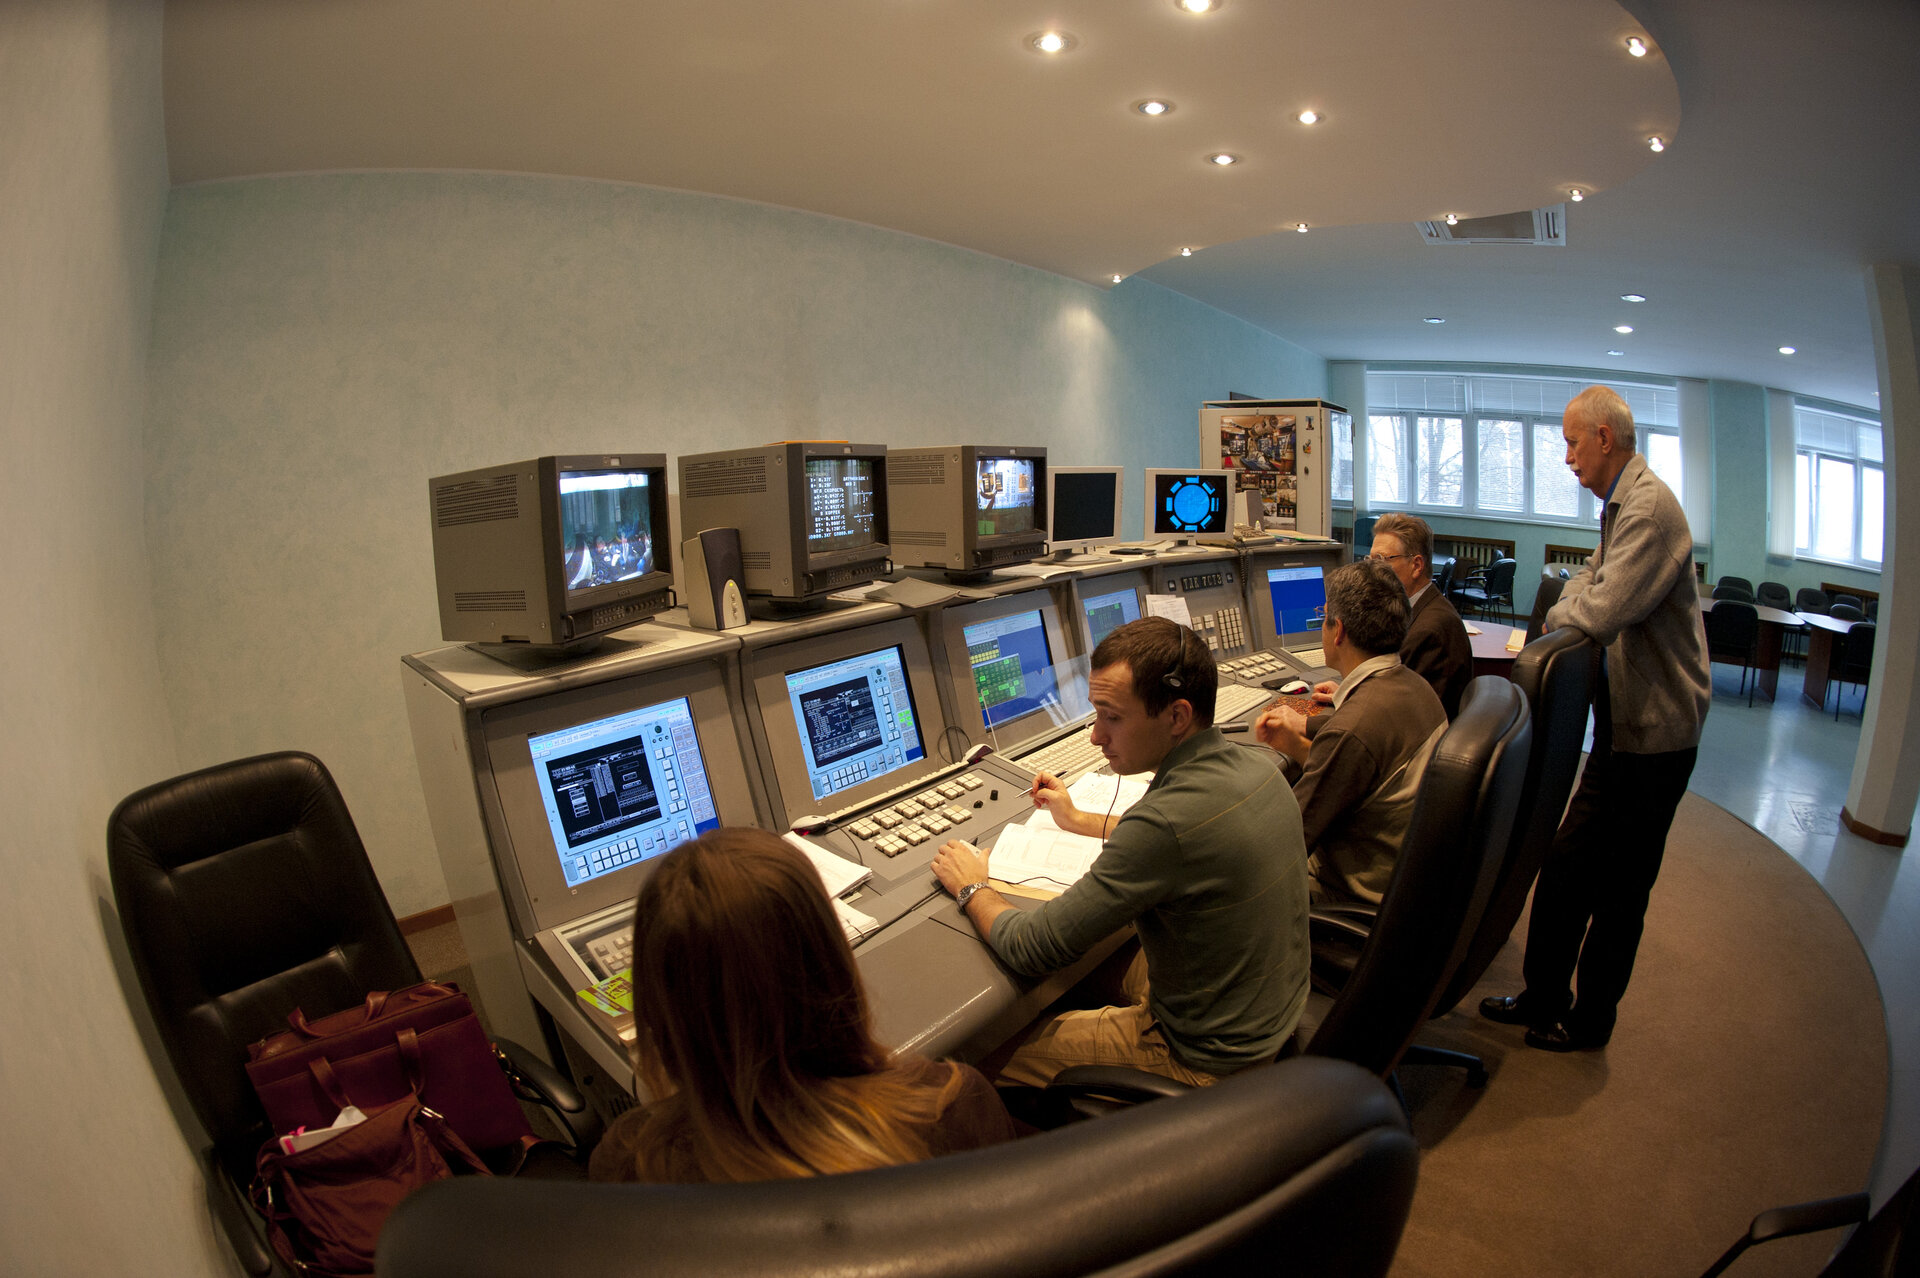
{"type": "Point", "coordinates": [1872, 835]}
{"type": "Point", "coordinates": [439, 916]}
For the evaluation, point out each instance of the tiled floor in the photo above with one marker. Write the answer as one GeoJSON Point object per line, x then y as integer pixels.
{"type": "Point", "coordinates": [1784, 769]}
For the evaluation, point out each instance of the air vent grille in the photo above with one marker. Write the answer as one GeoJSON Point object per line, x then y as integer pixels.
{"type": "Point", "coordinates": [916, 470]}
{"type": "Point", "coordinates": [476, 501]}
{"type": "Point", "coordinates": [490, 601]}
{"type": "Point", "coordinates": [757, 560]}
{"type": "Point", "coordinates": [1546, 226]}
{"type": "Point", "coordinates": [907, 537]}
{"type": "Point", "coordinates": [724, 477]}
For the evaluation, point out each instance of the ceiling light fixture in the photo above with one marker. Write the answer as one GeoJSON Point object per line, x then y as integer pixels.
{"type": "Point", "coordinates": [1435, 319]}
{"type": "Point", "coordinates": [1308, 116]}
{"type": "Point", "coordinates": [1633, 297]}
{"type": "Point", "coordinates": [1576, 194]}
{"type": "Point", "coordinates": [1636, 46]}
{"type": "Point", "coordinates": [1453, 219]}
{"type": "Point", "coordinates": [1616, 352]}
{"type": "Point", "coordinates": [1223, 158]}
{"type": "Point", "coordinates": [1186, 252]}
{"type": "Point", "coordinates": [1788, 350]}
{"type": "Point", "coordinates": [1300, 227]}
{"type": "Point", "coordinates": [1656, 144]}
{"type": "Point", "coordinates": [1051, 42]}
{"type": "Point", "coordinates": [1623, 328]}
{"type": "Point", "coordinates": [1153, 106]}
{"type": "Point", "coordinates": [1118, 278]}
{"type": "Point", "coordinates": [1197, 6]}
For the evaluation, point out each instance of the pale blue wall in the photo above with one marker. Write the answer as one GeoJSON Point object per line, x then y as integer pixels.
{"type": "Point", "coordinates": [325, 344]}
{"type": "Point", "coordinates": [1738, 413]}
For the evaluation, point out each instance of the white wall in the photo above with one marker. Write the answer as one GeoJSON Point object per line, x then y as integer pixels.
{"type": "Point", "coordinates": [98, 1179]}
{"type": "Point", "coordinates": [325, 344]}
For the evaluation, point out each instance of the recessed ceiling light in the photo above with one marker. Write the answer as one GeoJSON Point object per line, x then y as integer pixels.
{"type": "Point", "coordinates": [1153, 106]}
{"type": "Point", "coordinates": [1636, 46]}
{"type": "Point", "coordinates": [1788, 350]}
{"type": "Point", "coordinates": [1300, 227]}
{"type": "Point", "coordinates": [1186, 252]}
{"type": "Point", "coordinates": [1656, 144]}
{"type": "Point", "coordinates": [1223, 158]}
{"type": "Point", "coordinates": [1616, 352]}
{"type": "Point", "coordinates": [1633, 297]}
{"type": "Point", "coordinates": [1453, 219]}
{"type": "Point", "coordinates": [1197, 6]}
{"type": "Point", "coordinates": [1051, 41]}
{"type": "Point", "coordinates": [1309, 116]}
{"type": "Point", "coordinates": [1435, 319]}
{"type": "Point", "coordinates": [1118, 278]}
{"type": "Point", "coordinates": [1576, 195]}
{"type": "Point", "coordinates": [1623, 328]}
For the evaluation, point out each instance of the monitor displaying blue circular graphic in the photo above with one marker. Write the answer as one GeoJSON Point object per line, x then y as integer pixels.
{"type": "Point", "coordinates": [1189, 503]}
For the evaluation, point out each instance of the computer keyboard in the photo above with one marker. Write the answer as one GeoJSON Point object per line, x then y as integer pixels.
{"type": "Point", "coordinates": [1234, 700]}
{"type": "Point", "coordinates": [1311, 657]}
{"type": "Point", "coordinates": [1067, 757]}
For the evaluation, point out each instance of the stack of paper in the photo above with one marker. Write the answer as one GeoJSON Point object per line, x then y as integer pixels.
{"type": "Point", "coordinates": [839, 874]}
{"type": "Point", "coordinates": [1041, 854]}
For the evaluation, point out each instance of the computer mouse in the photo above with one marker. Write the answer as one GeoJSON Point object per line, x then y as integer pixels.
{"type": "Point", "coordinates": [1295, 687]}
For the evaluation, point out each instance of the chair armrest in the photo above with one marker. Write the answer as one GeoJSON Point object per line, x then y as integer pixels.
{"type": "Point", "coordinates": [246, 1232]}
{"type": "Point", "coordinates": [1116, 1082]}
{"type": "Point", "coordinates": [1328, 926]}
{"type": "Point", "coordinates": [535, 1080]}
{"type": "Point", "coordinates": [1790, 1222]}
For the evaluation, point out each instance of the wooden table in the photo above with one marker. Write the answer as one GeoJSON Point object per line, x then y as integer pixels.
{"type": "Point", "coordinates": [1821, 645]}
{"type": "Point", "coordinates": [1774, 624]}
{"type": "Point", "coordinates": [1490, 655]}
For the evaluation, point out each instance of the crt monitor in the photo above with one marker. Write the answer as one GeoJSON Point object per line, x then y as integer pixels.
{"type": "Point", "coordinates": [812, 515]}
{"type": "Point", "coordinates": [1184, 504]}
{"type": "Point", "coordinates": [551, 552]}
{"type": "Point", "coordinates": [968, 508]}
{"type": "Point", "coordinates": [1297, 594]}
{"type": "Point", "coordinates": [1083, 507]}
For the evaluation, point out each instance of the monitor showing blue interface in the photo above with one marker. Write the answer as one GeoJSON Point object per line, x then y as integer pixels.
{"type": "Point", "coordinates": [1107, 613]}
{"type": "Point", "coordinates": [622, 789]}
{"type": "Point", "coordinates": [1012, 668]}
{"type": "Point", "coordinates": [855, 718]}
{"type": "Point", "coordinates": [1299, 600]}
{"type": "Point", "coordinates": [1182, 504]}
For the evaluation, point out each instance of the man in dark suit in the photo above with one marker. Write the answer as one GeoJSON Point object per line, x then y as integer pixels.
{"type": "Point", "coordinates": [1436, 646]}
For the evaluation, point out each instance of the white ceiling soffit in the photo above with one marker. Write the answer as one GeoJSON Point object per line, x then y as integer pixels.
{"type": "Point", "coordinates": [931, 117]}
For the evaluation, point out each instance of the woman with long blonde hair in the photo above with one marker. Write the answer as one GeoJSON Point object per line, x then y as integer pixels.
{"type": "Point", "coordinates": [753, 1037]}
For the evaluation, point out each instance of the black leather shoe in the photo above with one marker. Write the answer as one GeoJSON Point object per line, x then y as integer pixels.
{"type": "Point", "coordinates": [1558, 1038]}
{"type": "Point", "coordinates": [1508, 1009]}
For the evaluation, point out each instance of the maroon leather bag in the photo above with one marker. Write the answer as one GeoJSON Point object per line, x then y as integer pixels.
{"type": "Point", "coordinates": [325, 1206]}
{"type": "Point", "coordinates": [370, 1055]}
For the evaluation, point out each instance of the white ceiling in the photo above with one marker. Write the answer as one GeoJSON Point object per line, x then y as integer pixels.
{"type": "Point", "coordinates": [1795, 132]}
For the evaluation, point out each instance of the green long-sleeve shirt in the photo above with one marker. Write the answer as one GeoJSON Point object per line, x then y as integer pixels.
{"type": "Point", "coordinates": [1210, 866]}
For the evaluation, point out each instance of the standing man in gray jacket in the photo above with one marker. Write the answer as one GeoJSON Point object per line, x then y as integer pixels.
{"type": "Point", "coordinates": [1636, 598]}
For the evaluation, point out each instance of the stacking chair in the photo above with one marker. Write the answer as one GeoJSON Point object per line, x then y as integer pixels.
{"type": "Point", "coordinates": [1855, 663]}
{"type": "Point", "coordinates": [1738, 583]}
{"type": "Point", "coordinates": [1841, 609]}
{"type": "Point", "coordinates": [1811, 599]}
{"type": "Point", "coordinates": [1442, 570]}
{"type": "Point", "coordinates": [1545, 596]}
{"type": "Point", "coordinates": [1734, 591]}
{"type": "Point", "coordinates": [1774, 594]}
{"type": "Point", "coordinates": [1485, 589]}
{"type": "Point", "coordinates": [1733, 636]}
{"type": "Point", "coordinates": [1847, 601]}
{"type": "Point", "coordinates": [245, 892]}
{"type": "Point", "coordinates": [1307, 1163]}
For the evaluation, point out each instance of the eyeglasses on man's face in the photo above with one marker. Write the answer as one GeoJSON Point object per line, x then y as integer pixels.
{"type": "Point", "coordinates": [1378, 558]}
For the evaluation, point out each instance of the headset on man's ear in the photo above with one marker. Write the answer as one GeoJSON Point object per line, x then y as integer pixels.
{"type": "Point", "coordinates": [1176, 678]}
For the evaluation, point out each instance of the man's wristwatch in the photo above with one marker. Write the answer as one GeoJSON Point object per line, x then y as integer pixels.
{"type": "Point", "coordinates": [965, 894]}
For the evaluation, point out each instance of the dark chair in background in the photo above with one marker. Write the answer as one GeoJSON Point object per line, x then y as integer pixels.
{"type": "Point", "coordinates": [1545, 596]}
{"type": "Point", "coordinates": [1841, 610]}
{"type": "Point", "coordinates": [1485, 590]}
{"type": "Point", "coordinates": [1737, 583]}
{"type": "Point", "coordinates": [1774, 594]}
{"type": "Point", "coordinates": [1887, 1244]}
{"type": "Point", "coordinates": [1855, 663]}
{"type": "Point", "coordinates": [1442, 569]}
{"type": "Point", "coordinates": [1872, 609]}
{"type": "Point", "coordinates": [1734, 591]}
{"type": "Point", "coordinates": [1811, 599]}
{"type": "Point", "coordinates": [1307, 1162]}
{"type": "Point", "coordinates": [244, 892]}
{"type": "Point", "coordinates": [1846, 601]}
{"type": "Point", "coordinates": [1733, 636]}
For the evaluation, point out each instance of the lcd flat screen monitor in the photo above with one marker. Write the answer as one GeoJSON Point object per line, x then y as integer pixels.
{"type": "Point", "coordinates": [1108, 612]}
{"type": "Point", "coordinates": [1083, 507]}
{"type": "Point", "coordinates": [622, 789]}
{"type": "Point", "coordinates": [1184, 504]}
{"type": "Point", "coordinates": [856, 720]}
{"type": "Point", "coordinates": [1012, 666]}
{"type": "Point", "coordinates": [1299, 598]}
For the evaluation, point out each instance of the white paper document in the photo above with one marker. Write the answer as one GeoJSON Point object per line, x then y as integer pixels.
{"type": "Point", "coordinates": [1040, 854]}
{"type": "Point", "coordinates": [838, 873]}
{"type": "Point", "coordinates": [852, 922]}
{"type": "Point", "coordinates": [1172, 607]}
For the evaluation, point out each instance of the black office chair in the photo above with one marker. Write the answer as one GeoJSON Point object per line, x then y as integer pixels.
{"type": "Point", "coordinates": [1855, 663]}
{"type": "Point", "coordinates": [1810, 599]}
{"type": "Point", "coordinates": [1738, 583]}
{"type": "Point", "coordinates": [1307, 1164]}
{"type": "Point", "coordinates": [1841, 610]}
{"type": "Point", "coordinates": [1847, 601]}
{"type": "Point", "coordinates": [1773, 594]}
{"type": "Point", "coordinates": [1885, 1244]}
{"type": "Point", "coordinates": [245, 892]}
{"type": "Point", "coordinates": [1734, 591]}
{"type": "Point", "coordinates": [1450, 860]}
{"type": "Point", "coordinates": [1545, 596]}
{"type": "Point", "coordinates": [1733, 636]}
{"type": "Point", "coordinates": [1441, 570]}
{"type": "Point", "coordinates": [1485, 589]}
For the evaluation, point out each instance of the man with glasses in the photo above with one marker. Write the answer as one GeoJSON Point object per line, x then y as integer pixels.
{"type": "Point", "coordinates": [1357, 776]}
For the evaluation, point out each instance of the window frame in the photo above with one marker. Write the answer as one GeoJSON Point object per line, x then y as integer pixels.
{"type": "Point", "coordinates": [1815, 458]}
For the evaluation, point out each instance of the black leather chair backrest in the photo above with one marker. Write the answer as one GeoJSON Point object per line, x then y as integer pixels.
{"type": "Point", "coordinates": [1811, 599]}
{"type": "Point", "coordinates": [1500, 578]}
{"type": "Point", "coordinates": [1544, 598]}
{"type": "Point", "coordinates": [1774, 594]}
{"type": "Point", "coordinates": [1306, 1164]}
{"type": "Point", "coordinates": [1728, 590]}
{"type": "Point", "coordinates": [1848, 601]}
{"type": "Point", "coordinates": [1442, 570]}
{"type": "Point", "coordinates": [1856, 653]}
{"type": "Point", "coordinates": [1456, 841]}
{"type": "Point", "coordinates": [1556, 674]}
{"type": "Point", "coordinates": [1732, 629]}
{"type": "Point", "coordinates": [245, 892]}
{"type": "Point", "coordinates": [1740, 582]}
{"type": "Point", "coordinates": [1843, 611]}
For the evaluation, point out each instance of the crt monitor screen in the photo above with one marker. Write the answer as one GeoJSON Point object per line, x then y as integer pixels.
{"type": "Point", "coordinates": [1086, 506]}
{"type": "Point", "coordinates": [1005, 488]}
{"type": "Point", "coordinates": [1188, 503]}
{"type": "Point", "coordinates": [856, 719]}
{"type": "Point", "coordinates": [1299, 600]}
{"type": "Point", "coordinates": [622, 789]}
{"type": "Point", "coordinates": [841, 503]}
{"type": "Point", "coordinates": [1012, 667]}
{"type": "Point", "coordinates": [606, 526]}
{"type": "Point", "coordinates": [1107, 613]}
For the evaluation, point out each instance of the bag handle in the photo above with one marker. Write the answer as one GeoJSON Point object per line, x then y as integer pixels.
{"type": "Point", "coordinates": [376, 1004]}
{"type": "Point", "coordinates": [410, 1060]}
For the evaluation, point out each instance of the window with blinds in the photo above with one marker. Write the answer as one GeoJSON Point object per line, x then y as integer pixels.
{"type": "Point", "coordinates": [1839, 484]}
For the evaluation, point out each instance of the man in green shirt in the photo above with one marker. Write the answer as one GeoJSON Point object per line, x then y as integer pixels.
{"type": "Point", "coordinates": [1210, 867]}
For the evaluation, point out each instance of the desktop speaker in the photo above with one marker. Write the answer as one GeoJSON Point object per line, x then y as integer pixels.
{"type": "Point", "coordinates": [716, 583]}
